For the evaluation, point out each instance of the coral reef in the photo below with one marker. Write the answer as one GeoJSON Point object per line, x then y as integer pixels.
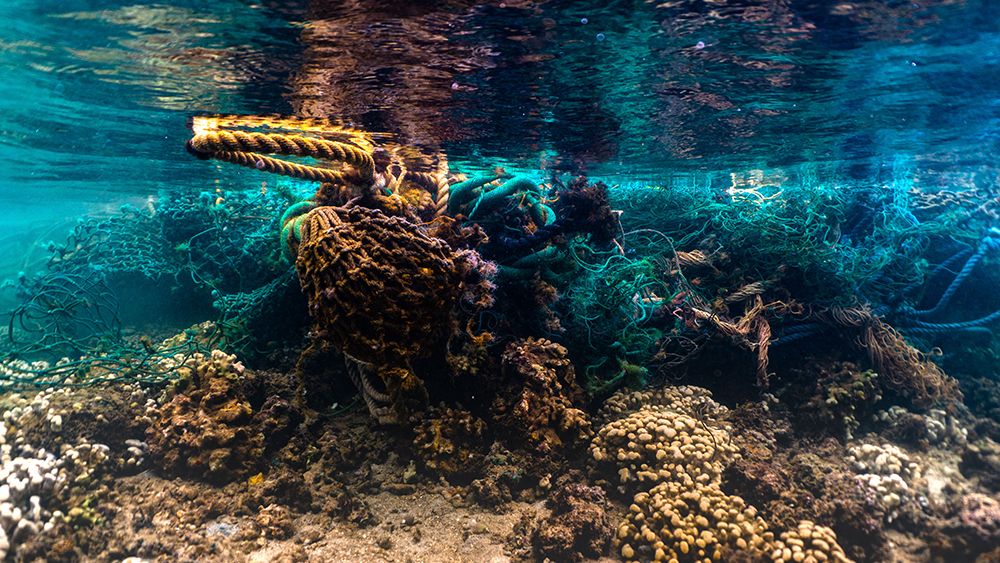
{"type": "Point", "coordinates": [808, 542]}
{"type": "Point", "coordinates": [451, 442]}
{"type": "Point", "coordinates": [504, 476]}
{"type": "Point", "coordinates": [682, 399]}
{"type": "Point", "coordinates": [982, 396]}
{"type": "Point", "coordinates": [671, 433]}
{"type": "Point", "coordinates": [937, 427]}
{"type": "Point", "coordinates": [34, 494]}
{"type": "Point", "coordinates": [843, 396]}
{"type": "Point", "coordinates": [685, 516]}
{"type": "Point", "coordinates": [579, 526]}
{"type": "Point", "coordinates": [207, 428]}
{"type": "Point", "coordinates": [980, 515]}
{"type": "Point", "coordinates": [399, 263]}
{"type": "Point", "coordinates": [981, 459]}
{"type": "Point", "coordinates": [691, 522]}
{"type": "Point", "coordinates": [656, 444]}
{"type": "Point", "coordinates": [538, 404]}
{"type": "Point", "coordinates": [807, 486]}
{"type": "Point", "coordinates": [888, 471]}
{"type": "Point", "coordinates": [60, 449]}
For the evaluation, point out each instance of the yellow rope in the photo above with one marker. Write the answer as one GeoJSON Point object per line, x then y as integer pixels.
{"type": "Point", "coordinates": [285, 168]}
{"type": "Point", "coordinates": [315, 127]}
{"type": "Point", "coordinates": [246, 140]}
{"type": "Point", "coordinates": [438, 185]}
{"type": "Point", "coordinates": [242, 147]}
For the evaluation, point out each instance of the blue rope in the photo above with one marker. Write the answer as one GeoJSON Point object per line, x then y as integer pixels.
{"type": "Point", "coordinates": [957, 282]}
{"type": "Point", "coordinates": [948, 327]}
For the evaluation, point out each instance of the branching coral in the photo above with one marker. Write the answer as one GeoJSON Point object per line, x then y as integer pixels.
{"type": "Point", "coordinates": [451, 442]}
{"type": "Point", "coordinates": [538, 406]}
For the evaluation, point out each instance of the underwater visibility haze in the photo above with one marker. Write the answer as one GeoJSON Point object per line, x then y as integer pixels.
{"type": "Point", "coordinates": [682, 280]}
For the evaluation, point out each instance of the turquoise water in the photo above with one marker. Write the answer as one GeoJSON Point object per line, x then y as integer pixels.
{"type": "Point", "coordinates": [96, 95]}
{"type": "Point", "coordinates": [791, 207]}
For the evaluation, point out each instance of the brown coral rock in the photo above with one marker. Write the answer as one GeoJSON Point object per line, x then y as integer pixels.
{"type": "Point", "coordinates": [451, 442]}
{"type": "Point", "coordinates": [207, 429]}
{"type": "Point", "coordinates": [539, 404]}
{"type": "Point", "coordinates": [579, 526]}
{"type": "Point", "coordinates": [504, 476]}
{"type": "Point", "coordinates": [275, 522]}
{"type": "Point", "coordinates": [980, 515]}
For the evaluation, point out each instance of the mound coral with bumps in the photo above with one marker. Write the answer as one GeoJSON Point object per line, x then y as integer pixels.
{"type": "Point", "coordinates": [684, 399]}
{"type": "Point", "coordinates": [691, 522]}
{"type": "Point", "coordinates": [808, 542]}
{"type": "Point", "coordinates": [655, 445]}
{"type": "Point", "coordinates": [672, 444]}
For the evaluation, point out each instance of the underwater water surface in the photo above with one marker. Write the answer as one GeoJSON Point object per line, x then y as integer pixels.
{"type": "Point", "coordinates": [793, 205]}
{"type": "Point", "coordinates": [96, 94]}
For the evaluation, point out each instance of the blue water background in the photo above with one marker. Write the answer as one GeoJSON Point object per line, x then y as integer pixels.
{"type": "Point", "coordinates": [95, 95]}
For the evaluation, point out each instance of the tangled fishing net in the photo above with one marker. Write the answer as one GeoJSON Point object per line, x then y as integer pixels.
{"type": "Point", "coordinates": [400, 260]}
{"type": "Point", "coordinates": [379, 286]}
{"type": "Point", "coordinates": [211, 253]}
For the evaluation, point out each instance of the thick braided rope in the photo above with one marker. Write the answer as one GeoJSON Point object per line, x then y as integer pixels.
{"type": "Point", "coordinates": [214, 143]}
{"type": "Point", "coordinates": [442, 195]}
{"type": "Point", "coordinates": [323, 128]}
{"type": "Point", "coordinates": [283, 167]}
{"type": "Point", "coordinates": [439, 186]}
{"type": "Point", "coordinates": [956, 283]}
